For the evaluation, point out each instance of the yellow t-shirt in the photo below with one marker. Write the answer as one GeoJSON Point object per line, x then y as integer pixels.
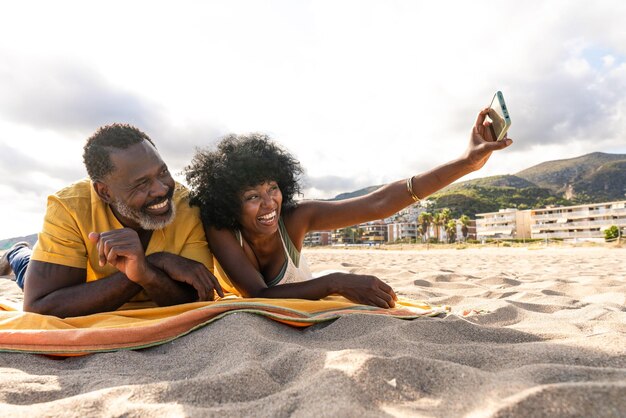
{"type": "Point", "coordinates": [76, 210]}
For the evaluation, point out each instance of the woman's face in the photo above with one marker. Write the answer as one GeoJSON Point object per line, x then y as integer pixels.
{"type": "Point", "coordinates": [260, 208]}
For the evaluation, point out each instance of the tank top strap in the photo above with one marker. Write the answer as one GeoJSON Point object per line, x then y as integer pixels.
{"type": "Point", "coordinates": [290, 248]}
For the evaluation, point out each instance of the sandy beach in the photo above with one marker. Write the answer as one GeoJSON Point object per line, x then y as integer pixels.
{"type": "Point", "coordinates": [550, 341]}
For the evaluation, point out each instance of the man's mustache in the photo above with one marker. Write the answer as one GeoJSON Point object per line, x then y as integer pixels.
{"type": "Point", "coordinates": [168, 196]}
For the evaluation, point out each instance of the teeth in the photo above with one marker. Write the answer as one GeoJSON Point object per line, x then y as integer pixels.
{"type": "Point", "coordinates": [269, 216]}
{"type": "Point", "coordinates": [159, 206]}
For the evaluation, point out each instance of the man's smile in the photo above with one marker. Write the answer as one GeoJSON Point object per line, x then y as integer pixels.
{"type": "Point", "coordinates": [159, 206]}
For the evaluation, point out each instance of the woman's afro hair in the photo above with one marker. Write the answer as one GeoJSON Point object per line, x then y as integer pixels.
{"type": "Point", "coordinates": [218, 177]}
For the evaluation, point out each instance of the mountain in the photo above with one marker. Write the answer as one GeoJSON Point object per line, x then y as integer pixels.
{"type": "Point", "coordinates": [356, 193]}
{"type": "Point", "coordinates": [5, 244]}
{"type": "Point", "coordinates": [607, 182]}
{"type": "Point", "coordinates": [592, 178]}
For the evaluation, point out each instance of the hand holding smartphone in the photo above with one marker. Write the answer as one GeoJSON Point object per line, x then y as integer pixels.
{"type": "Point", "coordinates": [499, 117]}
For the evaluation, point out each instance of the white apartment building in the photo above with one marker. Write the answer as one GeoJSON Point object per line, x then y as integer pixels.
{"type": "Point", "coordinates": [578, 222]}
{"type": "Point", "coordinates": [563, 222]}
{"type": "Point", "coordinates": [401, 230]}
{"type": "Point", "coordinates": [506, 223]}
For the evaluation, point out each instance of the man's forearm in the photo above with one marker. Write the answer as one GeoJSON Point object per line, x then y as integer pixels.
{"type": "Point", "coordinates": [106, 294]}
{"type": "Point", "coordinates": [165, 292]}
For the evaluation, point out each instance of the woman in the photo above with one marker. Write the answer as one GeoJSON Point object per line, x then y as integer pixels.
{"type": "Point", "coordinates": [245, 191]}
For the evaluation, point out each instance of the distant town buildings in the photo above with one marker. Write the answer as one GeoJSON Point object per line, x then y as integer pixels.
{"type": "Point", "coordinates": [586, 222]}
{"type": "Point", "coordinates": [401, 227]}
{"type": "Point", "coordinates": [317, 238]}
{"type": "Point", "coordinates": [562, 222]}
{"type": "Point", "coordinates": [402, 231]}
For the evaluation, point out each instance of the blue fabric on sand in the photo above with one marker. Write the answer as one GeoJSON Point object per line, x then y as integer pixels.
{"type": "Point", "coordinates": [18, 259]}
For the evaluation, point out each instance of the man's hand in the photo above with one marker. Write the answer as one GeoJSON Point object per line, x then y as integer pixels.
{"type": "Point", "coordinates": [482, 143]}
{"type": "Point", "coordinates": [364, 289]}
{"type": "Point", "coordinates": [188, 271]}
{"type": "Point", "coordinates": [122, 249]}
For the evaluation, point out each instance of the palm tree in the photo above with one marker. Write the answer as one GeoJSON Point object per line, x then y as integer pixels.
{"type": "Point", "coordinates": [465, 221]}
{"type": "Point", "coordinates": [451, 230]}
{"type": "Point", "coordinates": [446, 215]}
{"type": "Point", "coordinates": [444, 218]}
{"type": "Point", "coordinates": [359, 234]}
{"type": "Point", "coordinates": [437, 223]}
{"type": "Point", "coordinates": [348, 234]}
{"type": "Point", "coordinates": [424, 219]}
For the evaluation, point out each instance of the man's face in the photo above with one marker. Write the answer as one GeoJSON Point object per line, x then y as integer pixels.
{"type": "Point", "coordinates": [140, 188]}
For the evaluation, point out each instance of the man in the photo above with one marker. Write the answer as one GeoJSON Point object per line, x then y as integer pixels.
{"type": "Point", "coordinates": [126, 230]}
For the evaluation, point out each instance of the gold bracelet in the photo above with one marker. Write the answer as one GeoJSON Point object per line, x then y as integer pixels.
{"type": "Point", "coordinates": [409, 188]}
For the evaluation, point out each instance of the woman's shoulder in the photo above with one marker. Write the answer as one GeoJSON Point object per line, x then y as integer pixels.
{"type": "Point", "coordinates": [294, 216]}
{"type": "Point", "coordinates": [296, 221]}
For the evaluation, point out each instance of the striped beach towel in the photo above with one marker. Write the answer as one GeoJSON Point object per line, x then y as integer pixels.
{"type": "Point", "coordinates": [141, 328]}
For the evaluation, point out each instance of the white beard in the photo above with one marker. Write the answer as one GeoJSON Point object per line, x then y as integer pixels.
{"type": "Point", "coordinates": [144, 220]}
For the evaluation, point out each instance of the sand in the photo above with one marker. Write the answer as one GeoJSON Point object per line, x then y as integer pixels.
{"type": "Point", "coordinates": [552, 343]}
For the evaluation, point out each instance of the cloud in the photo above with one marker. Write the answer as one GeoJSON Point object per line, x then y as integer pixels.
{"type": "Point", "coordinates": [177, 144]}
{"type": "Point", "coordinates": [26, 175]}
{"type": "Point", "coordinates": [328, 186]}
{"type": "Point", "coordinates": [574, 102]}
{"type": "Point", "coordinates": [70, 101]}
{"type": "Point", "coordinates": [50, 94]}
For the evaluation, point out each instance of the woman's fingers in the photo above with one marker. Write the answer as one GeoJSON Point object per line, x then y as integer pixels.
{"type": "Point", "coordinates": [379, 301]}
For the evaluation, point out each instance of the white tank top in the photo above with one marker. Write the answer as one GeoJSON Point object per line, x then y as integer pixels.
{"type": "Point", "coordinates": [295, 268]}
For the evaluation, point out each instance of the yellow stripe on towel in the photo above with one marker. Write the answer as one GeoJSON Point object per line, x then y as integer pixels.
{"type": "Point", "coordinates": [140, 328]}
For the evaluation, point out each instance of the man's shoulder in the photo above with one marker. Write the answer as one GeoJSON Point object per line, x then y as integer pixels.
{"type": "Point", "coordinates": [184, 211]}
{"type": "Point", "coordinates": [181, 196]}
{"type": "Point", "coordinates": [77, 190]}
{"type": "Point", "coordinates": [76, 199]}
{"type": "Point", "coordinates": [180, 192]}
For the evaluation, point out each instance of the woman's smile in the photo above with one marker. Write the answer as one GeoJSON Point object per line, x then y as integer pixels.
{"type": "Point", "coordinates": [268, 219]}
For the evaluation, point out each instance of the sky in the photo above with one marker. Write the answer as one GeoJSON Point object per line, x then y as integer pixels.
{"type": "Point", "coordinates": [361, 92]}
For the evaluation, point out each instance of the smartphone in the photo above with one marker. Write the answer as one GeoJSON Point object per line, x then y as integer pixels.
{"type": "Point", "coordinates": [499, 117]}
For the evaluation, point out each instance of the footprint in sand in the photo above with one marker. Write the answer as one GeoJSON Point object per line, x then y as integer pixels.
{"type": "Point", "coordinates": [423, 283]}
{"type": "Point", "coordinates": [552, 292]}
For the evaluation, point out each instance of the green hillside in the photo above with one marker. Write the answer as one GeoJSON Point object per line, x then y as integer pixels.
{"type": "Point", "coordinates": [471, 199]}
{"type": "Point", "coordinates": [493, 181]}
